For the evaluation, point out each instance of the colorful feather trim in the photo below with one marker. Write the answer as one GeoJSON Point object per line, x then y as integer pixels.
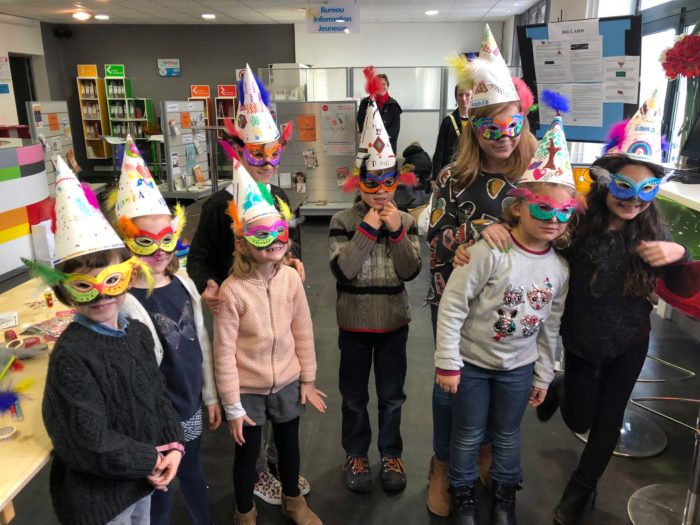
{"type": "Point", "coordinates": [145, 271]}
{"type": "Point", "coordinates": [351, 183]}
{"type": "Point", "coordinates": [265, 192]}
{"type": "Point", "coordinates": [46, 273]}
{"type": "Point", "coordinates": [408, 178]}
{"type": "Point", "coordinates": [127, 228]}
{"type": "Point", "coordinates": [237, 224]}
{"type": "Point", "coordinates": [230, 127]}
{"type": "Point", "coordinates": [287, 132]}
{"type": "Point", "coordinates": [372, 81]}
{"type": "Point", "coordinates": [264, 95]}
{"type": "Point", "coordinates": [8, 399]}
{"type": "Point", "coordinates": [284, 210]}
{"type": "Point", "coordinates": [228, 150]}
{"type": "Point", "coordinates": [527, 99]}
{"type": "Point", "coordinates": [52, 213]}
{"type": "Point", "coordinates": [112, 199]}
{"type": "Point", "coordinates": [90, 196]}
{"type": "Point", "coordinates": [616, 136]}
{"type": "Point", "coordinates": [555, 101]}
{"type": "Point", "coordinates": [179, 220]}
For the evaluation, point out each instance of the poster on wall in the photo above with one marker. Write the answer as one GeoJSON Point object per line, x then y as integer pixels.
{"type": "Point", "coordinates": [306, 126]}
{"type": "Point", "coordinates": [310, 159]}
{"type": "Point", "coordinates": [175, 162]}
{"type": "Point", "coordinates": [341, 174]}
{"type": "Point", "coordinates": [53, 122]}
{"type": "Point", "coordinates": [169, 67]}
{"type": "Point", "coordinates": [5, 73]}
{"type": "Point", "coordinates": [338, 129]}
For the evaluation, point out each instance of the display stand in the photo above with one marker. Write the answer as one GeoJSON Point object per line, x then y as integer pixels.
{"type": "Point", "coordinates": [203, 93]}
{"type": "Point", "coordinates": [187, 149]}
{"type": "Point", "coordinates": [93, 111]}
{"type": "Point", "coordinates": [127, 114]}
{"type": "Point", "coordinates": [49, 124]}
{"type": "Point", "coordinates": [225, 104]}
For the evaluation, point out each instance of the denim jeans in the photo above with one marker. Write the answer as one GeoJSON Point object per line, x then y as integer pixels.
{"type": "Point", "coordinates": [488, 403]}
{"type": "Point", "coordinates": [442, 409]}
{"type": "Point", "coordinates": [358, 350]}
{"type": "Point", "coordinates": [137, 514]}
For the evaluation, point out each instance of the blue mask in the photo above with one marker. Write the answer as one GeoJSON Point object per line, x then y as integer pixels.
{"type": "Point", "coordinates": [624, 188]}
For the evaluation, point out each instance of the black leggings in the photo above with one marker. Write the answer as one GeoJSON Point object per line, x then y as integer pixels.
{"type": "Point", "coordinates": [244, 472]}
{"type": "Point", "coordinates": [594, 398]}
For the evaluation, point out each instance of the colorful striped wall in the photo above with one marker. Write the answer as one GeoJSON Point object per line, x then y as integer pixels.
{"type": "Point", "coordinates": [23, 186]}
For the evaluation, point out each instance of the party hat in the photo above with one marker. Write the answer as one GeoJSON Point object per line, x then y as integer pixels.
{"type": "Point", "coordinates": [488, 76]}
{"type": "Point", "coordinates": [254, 122]}
{"type": "Point", "coordinates": [640, 137]}
{"type": "Point", "coordinates": [375, 148]}
{"type": "Point", "coordinates": [80, 226]}
{"type": "Point", "coordinates": [138, 194]}
{"type": "Point", "coordinates": [551, 162]}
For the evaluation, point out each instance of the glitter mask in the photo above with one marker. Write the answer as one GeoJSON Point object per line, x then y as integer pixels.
{"type": "Point", "coordinates": [623, 188]}
{"type": "Point", "coordinates": [259, 154]}
{"type": "Point", "coordinates": [147, 243]}
{"type": "Point", "coordinates": [264, 236]}
{"type": "Point", "coordinates": [370, 183]}
{"type": "Point", "coordinates": [112, 281]}
{"type": "Point", "coordinates": [544, 208]}
{"type": "Point", "coordinates": [494, 129]}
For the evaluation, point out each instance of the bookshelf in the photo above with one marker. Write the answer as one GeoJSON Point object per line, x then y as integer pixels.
{"type": "Point", "coordinates": [225, 108]}
{"type": "Point", "coordinates": [93, 112]}
{"type": "Point", "coordinates": [127, 114]}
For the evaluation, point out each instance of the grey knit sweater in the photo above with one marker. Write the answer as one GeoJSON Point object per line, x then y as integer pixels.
{"type": "Point", "coordinates": [370, 267]}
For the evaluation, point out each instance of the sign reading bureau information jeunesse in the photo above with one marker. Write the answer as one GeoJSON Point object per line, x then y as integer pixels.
{"type": "Point", "coordinates": [340, 18]}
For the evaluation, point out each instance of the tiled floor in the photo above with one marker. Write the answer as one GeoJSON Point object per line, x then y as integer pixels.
{"type": "Point", "coordinates": [549, 451]}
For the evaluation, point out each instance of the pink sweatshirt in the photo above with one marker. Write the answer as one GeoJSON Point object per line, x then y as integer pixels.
{"type": "Point", "coordinates": [263, 336]}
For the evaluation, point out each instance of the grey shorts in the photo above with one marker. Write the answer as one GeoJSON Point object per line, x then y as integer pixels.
{"type": "Point", "coordinates": [279, 408]}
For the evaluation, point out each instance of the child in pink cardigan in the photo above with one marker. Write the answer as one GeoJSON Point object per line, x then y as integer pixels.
{"type": "Point", "coordinates": [264, 357]}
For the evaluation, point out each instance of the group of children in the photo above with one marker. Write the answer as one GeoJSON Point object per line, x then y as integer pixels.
{"type": "Point", "coordinates": [129, 377]}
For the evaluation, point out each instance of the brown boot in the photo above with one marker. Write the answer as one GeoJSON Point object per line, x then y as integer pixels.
{"type": "Point", "coordinates": [439, 501]}
{"type": "Point", "coordinates": [245, 519]}
{"type": "Point", "coordinates": [484, 461]}
{"type": "Point", "coordinates": [298, 511]}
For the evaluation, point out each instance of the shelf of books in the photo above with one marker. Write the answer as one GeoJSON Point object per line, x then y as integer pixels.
{"type": "Point", "coordinates": [202, 92]}
{"type": "Point", "coordinates": [93, 112]}
{"type": "Point", "coordinates": [225, 104]}
{"type": "Point", "coordinates": [127, 114]}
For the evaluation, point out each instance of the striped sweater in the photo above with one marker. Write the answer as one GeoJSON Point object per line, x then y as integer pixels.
{"type": "Point", "coordinates": [370, 267]}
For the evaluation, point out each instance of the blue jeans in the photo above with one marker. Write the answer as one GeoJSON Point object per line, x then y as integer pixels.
{"type": "Point", "coordinates": [442, 409]}
{"type": "Point", "coordinates": [137, 514]}
{"type": "Point", "coordinates": [488, 403]}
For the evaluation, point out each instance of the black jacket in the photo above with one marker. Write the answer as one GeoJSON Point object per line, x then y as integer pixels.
{"type": "Point", "coordinates": [391, 116]}
{"type": "Point", "coordinates": [422, 166]}
{"type": "Point", "coordinates": [447, 142]}
{"type": "Point", "coordinates": [211, 251]}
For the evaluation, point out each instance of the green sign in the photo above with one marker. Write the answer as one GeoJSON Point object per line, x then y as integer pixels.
{"type": "Point", "coordinates": [114, 70]}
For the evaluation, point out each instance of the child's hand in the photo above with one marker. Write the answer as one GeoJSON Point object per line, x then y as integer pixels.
{"type": "Point", "coordinates": [165, 471]}
{"type": "Point", "coordinates": [462, 256]}
{"type": "Point", "coordinates": [660, 253]}
{"type": "Point", "coordinates": [498, 236]}
{"type": "Point", "coordinates": [309, 392]}
{"type": "Point", "coordinates": [391, 217]}
{"type": "Point", "coordinates": [537, 396]}
{"type": "Point", "coordinates": [235, 428]}
{"type": "Point", "coordinates": [448, 383]}
{"type": "Point", "coordinates": [298, 266]}
{"type": "Point", "coordinates": [214, 414]}
{"type": "Point", "coordinates": [372, 218]}
{"type": "Point", "coordinates": [210, 296]}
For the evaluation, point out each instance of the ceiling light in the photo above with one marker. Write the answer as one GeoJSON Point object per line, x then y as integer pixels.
{"type": "Point", "coordinates": [209, 16]}
{"type": "Point", "coordinates": [509, 10]}
{"type": "Point", "coordinates": [432, 12]}
{"type": "Point", "coordinates": [82, 15]}
{"type": "Point", "coordinates": [301, 9]}
{"type": "Point", "coordinates": [101, 17]}
{"type": "Point", "coordinates": [346, 30]}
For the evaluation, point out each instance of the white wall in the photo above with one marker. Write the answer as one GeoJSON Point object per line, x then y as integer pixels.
{"type": "Point", "coordinates": [393, 44]}
{"type": "Point", "coordinates": [507, 42]}
{"type": "Point", "coordinates": [23, 36]}
{"type": "Point", "coordinates": [572, 10]}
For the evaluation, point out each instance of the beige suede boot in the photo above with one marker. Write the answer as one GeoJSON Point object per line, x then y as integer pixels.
{"type": "Point", "coordinates": [298, 511]}
{"type": "Point", "coordinates": [439, 501]}
{"type": "Point", "coordinates": [248, 518]}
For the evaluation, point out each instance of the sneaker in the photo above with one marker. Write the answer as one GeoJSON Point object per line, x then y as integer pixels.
{"type": "Point", "coordinates": [304, 485]}
{"type": "Point", "coordinates": [358, 478]}
{"type": "Point", "coordinates": [393, 474]}
{"type": "Point", "coordinates": [267, 487]}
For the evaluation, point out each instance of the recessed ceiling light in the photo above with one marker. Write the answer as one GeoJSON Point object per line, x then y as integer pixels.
{"type": "Point", "coordinates": [82, 15]}
{"type": "Point", "coordinates": [301, 9]}
{"type": "Point", "coordinates": [101, 17]}
{"type": "Point", "coordinates": [432, 12]}
{"type": "Point", "coordinates": [509, 10]}
{"type": "Point", "coordinates": [209, 16]}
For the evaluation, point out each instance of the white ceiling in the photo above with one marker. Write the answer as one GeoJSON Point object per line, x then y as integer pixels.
{"type": "Point", "coordinates": [258, 11]}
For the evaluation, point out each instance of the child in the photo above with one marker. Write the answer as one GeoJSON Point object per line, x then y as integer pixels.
{"type": "Point", "coordinates": [618, 250]}
{"type": "Point", "coordinates": [497, 331]}
{"type": "Point", "coordinates": [264, 351]}
{"type": "Point", "coordinates": [173, 313]}
{"type": "Point", "coordinates": [374, 249]}
{"type": "Point", "coordinates": [115, 434]}
{"type": "Point", "coordinates": [470, 195]}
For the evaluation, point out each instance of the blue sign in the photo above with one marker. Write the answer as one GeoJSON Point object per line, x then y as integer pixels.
{"type": "Point", "coordinates": [169, 67]}
{"type": "Point", "coordinates": [4, 89]}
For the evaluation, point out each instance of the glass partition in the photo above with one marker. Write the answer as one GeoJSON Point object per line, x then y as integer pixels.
{"type": "Point", "coordinates": [414, 88]}
{"type": "Point", "coordinates": [305, 84]}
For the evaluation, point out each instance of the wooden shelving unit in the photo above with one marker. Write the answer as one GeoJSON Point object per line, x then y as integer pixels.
{"type": "Point", "coordinates": [225, 108]}
{"type": "Point", "coordinates": [93, 112]}
{"type": "Point", "coordinates": [127, 114]}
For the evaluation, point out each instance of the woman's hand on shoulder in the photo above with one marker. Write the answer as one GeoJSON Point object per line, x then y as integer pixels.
{"type": "Point", "coordinates": [498, 237]}
{"type": "Point", "coordinates": [660, 253]}
{"type": "Point", "coordinates": [462, 256]}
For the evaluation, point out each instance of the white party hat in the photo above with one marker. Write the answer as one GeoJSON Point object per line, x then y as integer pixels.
{"type": "Point", "coordinates": [551, 162]}
{"type": "Point", "coordinates": [80, 226]}
{"type": "Point", "coordinates": [254, 122]}
{"type": "Point", "coordinates": [375, 149]}
{"type": "Point", "coordinates": [248, 204]}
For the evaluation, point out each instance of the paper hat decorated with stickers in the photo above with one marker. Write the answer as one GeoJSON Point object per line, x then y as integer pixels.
{"type": "Point", "coordinates": [640, 137]}
{"type": "Point", "coordinates": [254, 122]}
{"type": "Point", "coordinates": [138, 193]}
{"type": "Point", "coordinates": [488, 75]}
{"type": "Point", "coordinates": [551, 162]}
{"type": "Point", "coordinates": [80, 226]}
{"type": "Point", "coordinates": [375, 149]}
{"type": "Point", "coordinates": [248, 204]}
